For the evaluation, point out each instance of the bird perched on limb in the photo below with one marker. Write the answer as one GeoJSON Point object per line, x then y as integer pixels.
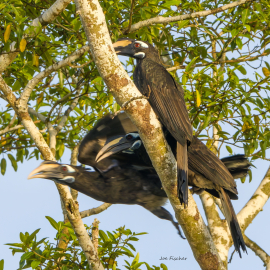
{"type": "Point", "coordinates": [206, 171]}
{"type": "Point", "coordinates": [166, 97]}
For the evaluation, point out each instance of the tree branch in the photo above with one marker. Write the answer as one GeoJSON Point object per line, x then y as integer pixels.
{"type": "Point", "coordinates": [48, 16]}
{"type": "Point", "coordinates": [163, 20]}
{"type": "Point", "coordinates": [95, 211]}
{"type": "Point", "coordinates": [40, 76]}
{"type": "Point", "coordinates": [142, 115]}
{"type": "Point", "coordinates": [239, 60]}
{"type": "Point", "coordinates": [258, 251]}
{"type": "Point", "coordinates": [218, 228]}
{"type": "Point", "coordinates": [14, 128]}
{"type": "Point", "coordinates": [73, 161]}
{"type": "Point", "coordinates": [256, 203]}
{"type": "Point", "coordinates": [95, 233]}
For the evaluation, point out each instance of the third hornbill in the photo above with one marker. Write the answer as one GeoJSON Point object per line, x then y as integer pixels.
{"type": "Point", "coordinates": [206, 171]}
{"type": "Point", "coordinates": [166, 97]}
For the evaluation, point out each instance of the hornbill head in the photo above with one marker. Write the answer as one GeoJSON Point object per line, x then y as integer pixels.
{"type": "Point", "coordinates": [133, 48]}
{"type": "Point", "coordinates": [60, 173]}
{"type": "Point", "coordinates": [130, 141]}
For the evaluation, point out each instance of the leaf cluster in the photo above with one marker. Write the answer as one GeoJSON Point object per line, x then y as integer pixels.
{"type": "Point", "coordinates": [44, 254]}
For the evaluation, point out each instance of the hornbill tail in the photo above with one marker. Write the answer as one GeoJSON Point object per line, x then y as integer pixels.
{"type": "Point", "coordinates": [232, 222]}
{"type": "Point", "coordinates": [182, 173]}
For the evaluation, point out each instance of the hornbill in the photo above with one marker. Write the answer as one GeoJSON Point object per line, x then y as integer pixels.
{"type": "Point", "coordinates": [111, 181]}
{"type": "Point", "coordinates": [206, 170]}
{"type": "Point", "coordinates": [166, 97]}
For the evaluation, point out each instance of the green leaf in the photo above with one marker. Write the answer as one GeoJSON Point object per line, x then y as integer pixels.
{"type": "Point", "coordinates": [111, 236]}
{"type": "Point", "coordinates": [184, 79]}
{"type": "Point", "coordinates": [2, 264]}
{"type": "Point", "coordinates": [239, 43]}
{"type": "Point", "coordinates": [198, 98]}
{"type": "Point", "coordinates": [250, 175]}
{"type": "Point", "coordinates": [136, 259]}
{"type": "Point", "coordinates": [244, 15]}
{"type": "Point", "coordinates": [248, 27]}
{"type": "Point", "coordinates": [61, 150]}
{"type": "Point", "coordinates": [35, 264]}
{"type": "Point", "coordinates": [163, 266]}
{"type": "Point", "coordinates": [128, 252]}
{"type": "Point", "coordinates": [32, 235]}
{"type": "Point", "coordinates": [26, 255]}
{"type": "Point", "coordinates": [3, 166]}
{"type": "Point", "coordinates": [13, 162]}
{"type": "Point", "coordinates": [229, 149]}
{"type": "Point", "coordinates": [103, 236]}
{"type": "Point", "coordinates": [191, 63]}
{"type": "Point", "coordinates": [182, 24]}
{"type": "Point", "coordinates": [53, 222]}
{"type": "Point", "coordinates": [61, 78]}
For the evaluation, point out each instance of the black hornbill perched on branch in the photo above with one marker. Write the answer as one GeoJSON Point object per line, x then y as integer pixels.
{"type": "Point", "coordinates": [206, 171]}
{"type": "Point", "coordinates": [111, 182]}
{"type": "Point", "coordinates": [166, 97]}
{"type": "Point", "coordinates": [121, 178]}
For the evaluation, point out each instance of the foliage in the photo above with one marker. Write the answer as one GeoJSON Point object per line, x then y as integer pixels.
{"type": "Point", "coordinates": [43, 254]}
{"type": "Point", "coordinates": [211, 53]}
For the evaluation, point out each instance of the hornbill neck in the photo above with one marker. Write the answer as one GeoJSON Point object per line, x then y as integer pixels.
{"type": "Point", "coordinates": [152, 54]}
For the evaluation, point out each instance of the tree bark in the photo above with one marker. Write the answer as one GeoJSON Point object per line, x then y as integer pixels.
{"type": "Point", "coordinates": [142, 115]}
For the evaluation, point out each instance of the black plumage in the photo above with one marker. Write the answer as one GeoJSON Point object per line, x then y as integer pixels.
{"type": "Point", "coordinates": [206, 170]}
{"type": "Point", "coordinates": [166, 98]}
{"type": "Point", "coordinates": [111, 182]}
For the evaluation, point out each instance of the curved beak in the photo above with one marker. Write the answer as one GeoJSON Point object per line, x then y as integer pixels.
{"type": "Point", "coordinates": [123, 47]}
{"type": "Point", "coordinates": [113, 147]}
{"type": "Point", "coordinates": [47, 170]}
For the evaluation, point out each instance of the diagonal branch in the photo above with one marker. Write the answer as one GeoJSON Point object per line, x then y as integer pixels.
{"type": "Point", "coordinates": [95, 211]}
{"type": "Point", "coordinates": [256, 203]}
{"type": "Point", "coordinates": [198, 14]}
{"type": "Point", "coordinates": [218, 228]}
{"type": "Point", "coordinates": [48, 16]}
{"type": "Point", "coordinates": [40, 76]}
{"type": "Point", "coordinates": [258, 251]}
{"type": "Point", "coordinates": [239, 60]}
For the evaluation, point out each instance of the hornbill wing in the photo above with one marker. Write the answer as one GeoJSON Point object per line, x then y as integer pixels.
{"type": "Point", "coordinates": [167, 101]}
{"type": "Point", "coordinates": [166, 98]}
{"type": "Point", "coordinates": [106, 127]}
{"type": "Point", "coordinates": [204, 162]}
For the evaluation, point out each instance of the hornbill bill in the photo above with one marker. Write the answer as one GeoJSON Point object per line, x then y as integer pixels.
{"type": "Point", "coordinates": [166, 97]}
{"type": "Point", "coordinates": [206, 171]}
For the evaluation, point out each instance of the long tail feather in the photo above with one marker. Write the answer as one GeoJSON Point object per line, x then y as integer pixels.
{"type": "Point", "coordinates": [232, 222]}
{"type": "Point", "coordinates": [182, 173]}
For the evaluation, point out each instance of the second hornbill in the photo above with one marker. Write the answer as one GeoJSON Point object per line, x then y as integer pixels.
{"type": "Point", "coordinates": [166, 97]}
{"type": "Point", "coordinates": [206, 171]}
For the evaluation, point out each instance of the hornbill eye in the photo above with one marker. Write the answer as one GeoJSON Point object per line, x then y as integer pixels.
{"type": "Point", "coordinates": [137, 45]}
{"type": "Point", "coordinates": [129, 137]}
{"type": "Point", "coordinates": [64, 168]}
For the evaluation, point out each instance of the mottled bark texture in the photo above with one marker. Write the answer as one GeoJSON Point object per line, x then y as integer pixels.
{"type": "Point", "coordinates": [142, 115]}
